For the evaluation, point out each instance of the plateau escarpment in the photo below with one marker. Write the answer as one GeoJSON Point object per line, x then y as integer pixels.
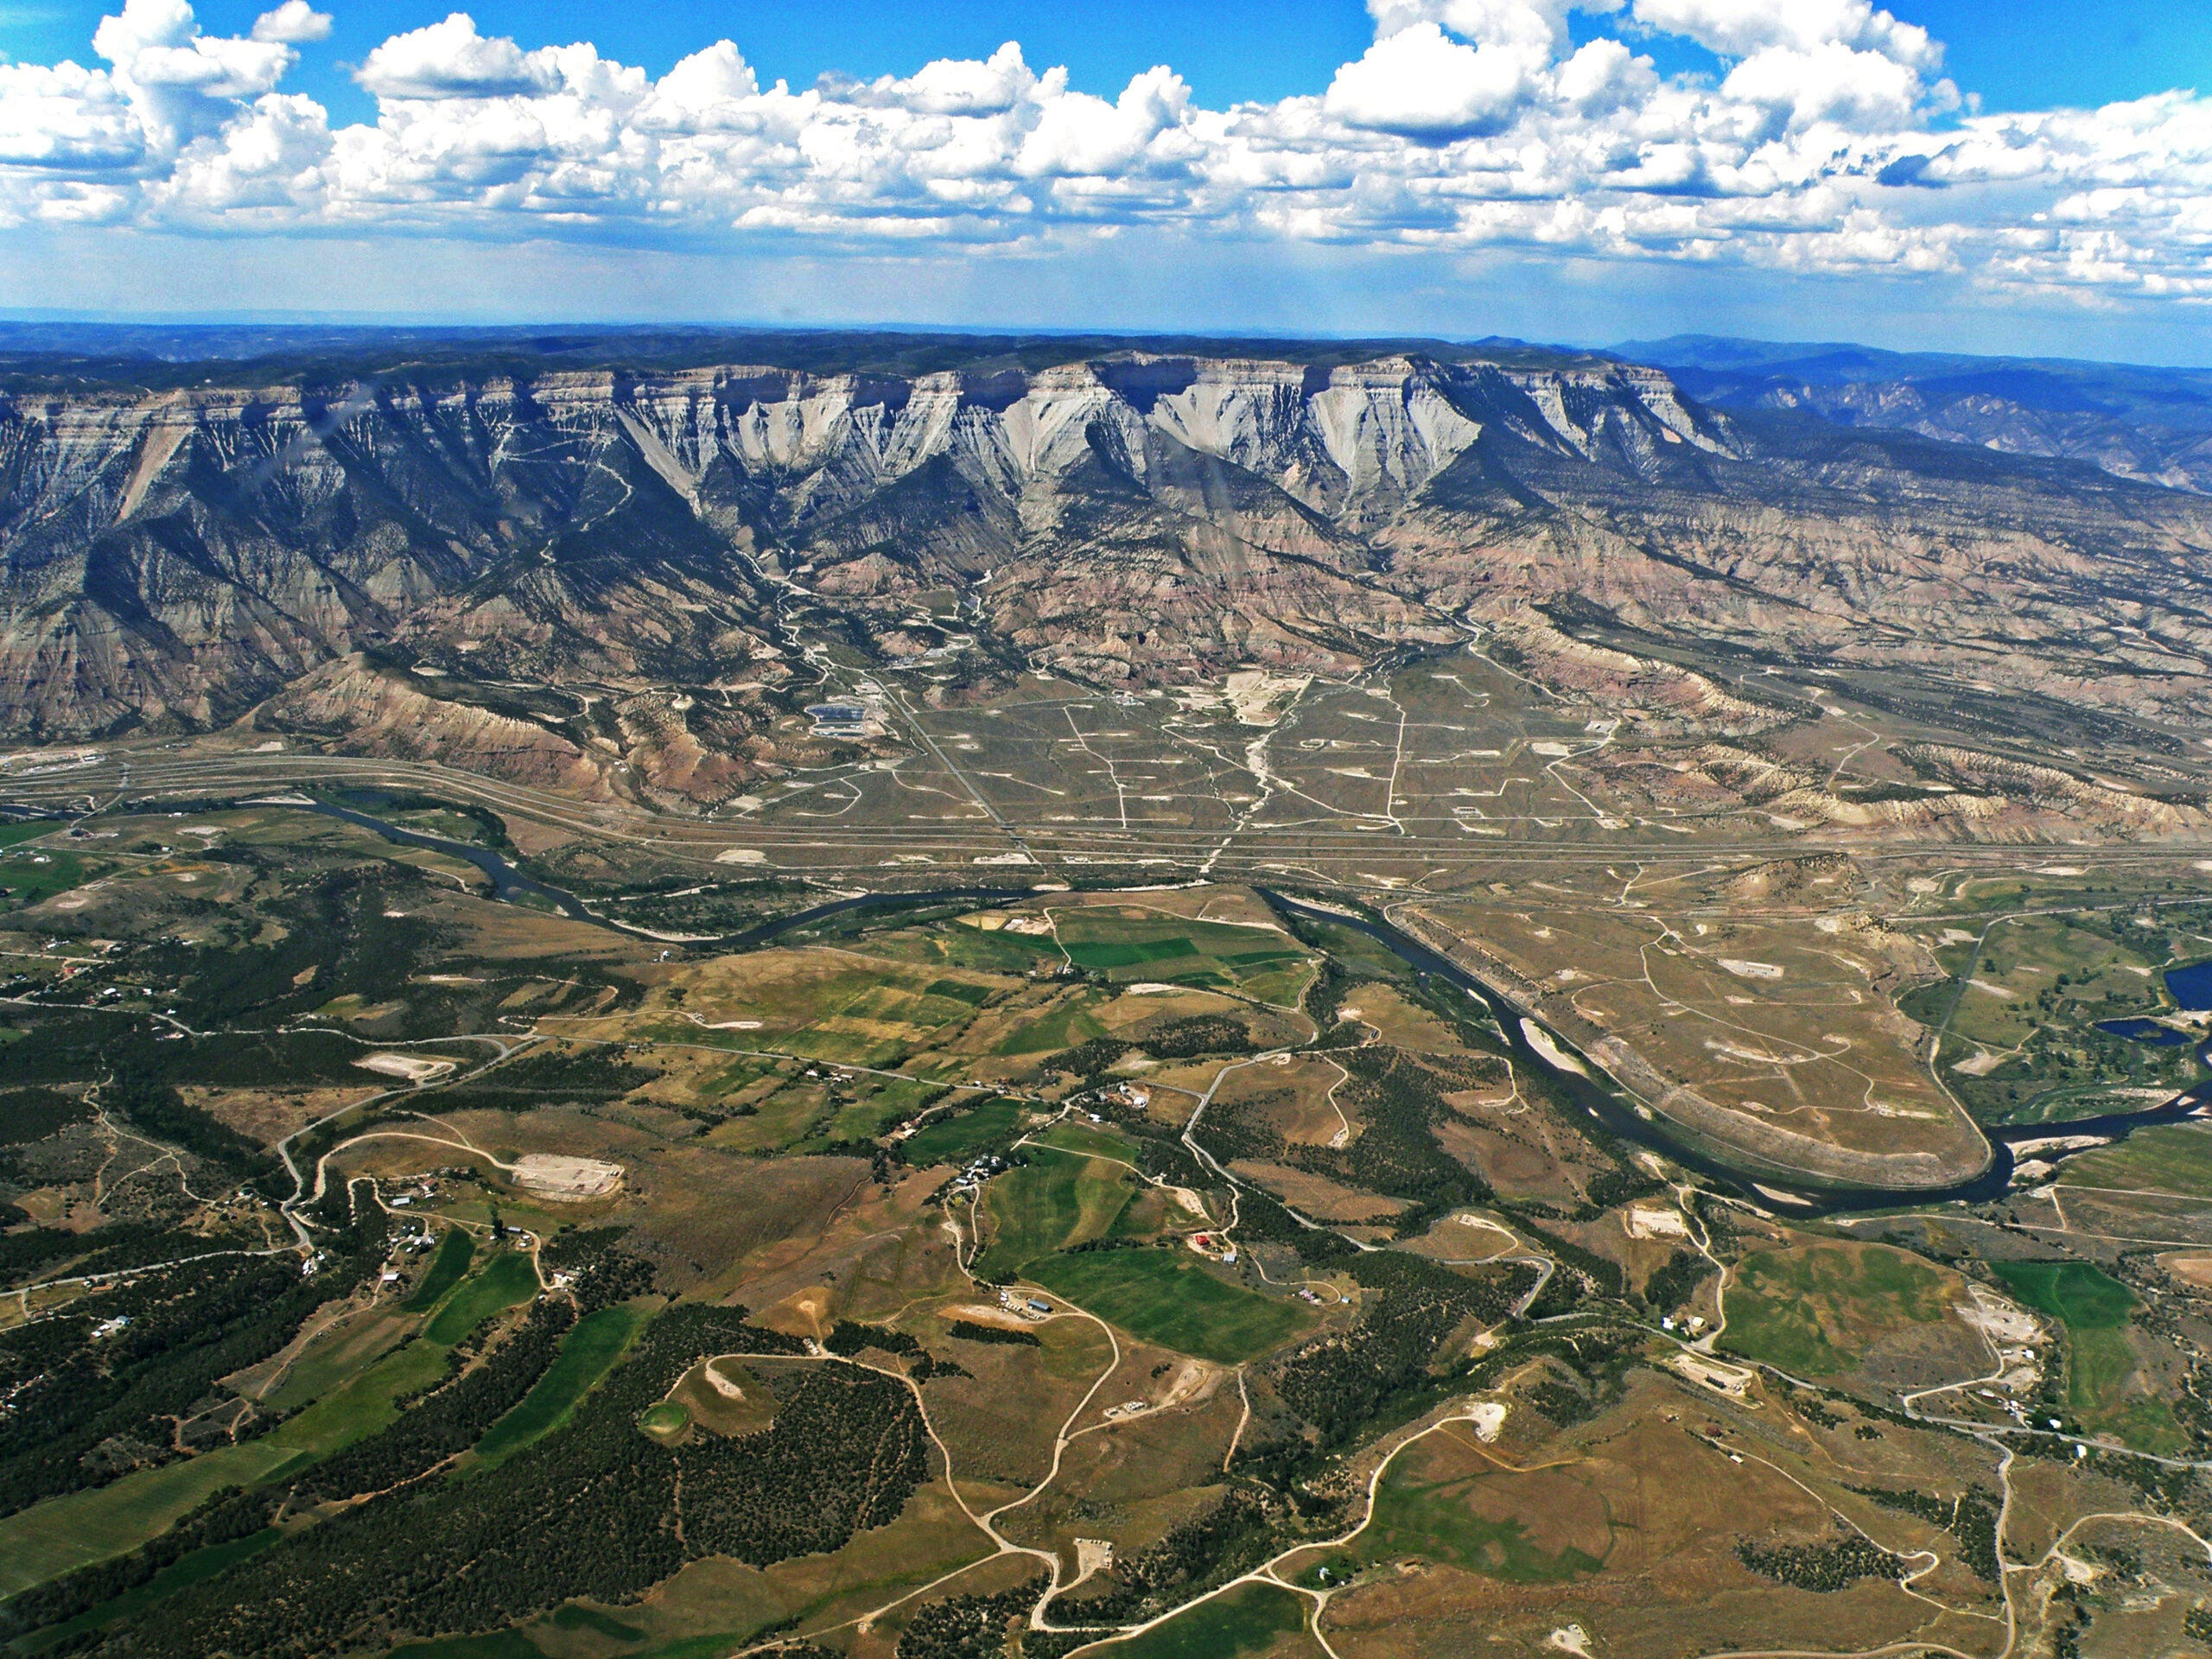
{"type": "Point", "coordinates": [177, 559]}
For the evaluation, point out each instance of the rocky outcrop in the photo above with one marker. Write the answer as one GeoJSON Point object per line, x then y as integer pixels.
{"type": "Point", "coordinates": [175, 559]}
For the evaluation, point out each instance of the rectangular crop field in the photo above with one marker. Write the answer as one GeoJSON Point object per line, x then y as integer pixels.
{"type": "Point", "coordinates": [1091, 1141]}
{"type": "Point", "coordinates": [587, 1353]}
{"type": "Point", "coordinates": [445, 1268]}
{"type": "Point", "coordinates": [1061, 1200]}
{"type": "Point", "coordinates": [1816, 1311]}
{"type": "Point", "coordinates": [2174, 1158]}
{"type": "Point", "coordinates": [510, 1279]}
{"type": "Point", "coordinates": [2100, 1363]}
{"type": "Point", "coordinates": [1252, 1618]}
{"type": "Point", "coordinates": [1167, 1297]}
{"type": "Point", "coordinates": [989, 1127]}
{"type": "Point", "coordinates": [62, 1533]}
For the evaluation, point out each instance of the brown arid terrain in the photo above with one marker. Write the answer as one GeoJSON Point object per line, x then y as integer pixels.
{"type": "Point", "coordinates": [941, 999]}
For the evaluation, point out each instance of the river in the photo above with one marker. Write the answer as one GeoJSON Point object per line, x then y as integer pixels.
{"type": "Point", "coordinates": [1604, 1105]}
{"type": "Point", "coordinates": [1618, 1118]}
{"type": "Point", "coordinates": [509, 883]}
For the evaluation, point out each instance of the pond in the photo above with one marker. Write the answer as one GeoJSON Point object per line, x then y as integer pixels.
{"type": "Point", "coordinates": [2191, 986]}
{"type": "Point", "coordinates": [2144, 1031]}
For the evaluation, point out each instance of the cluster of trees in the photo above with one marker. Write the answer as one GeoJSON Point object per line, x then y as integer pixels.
{"type": "Point", "coordinates": [1233, 1536]}
{"type": "Point", "coordinates": [1600, 1356]}
{"type": "Point", "coordinates": [968, 1627]}
{"type": "Point", "coordinates": [1384, 1364]}
{"type": "Point", "coordinates": [136, 1069]}
{"type": "Point", "coordinates": [602, 1272]}
{"type": "Point", "coordinates": [1581, 1272]}
{"type": "Point", "coordinates": [1619, 1184]}
{"type": "Point", "coordinates": [969, 1331]}
{"type": "Point", "coordinates": [596, 1509]}
{"type": "Point", "coordinates": [1262, 1220]}
{"type": "Point", "coordinates": [549, 1077]}
{"type": "Point", "coordinates": [1970, 1517]}
{"type": "Point", "coordinates": [222, 1517]}
{"type": "Point", "coordinates": [1672, 1285]}
{"type": "Point", "coordinates": [1399, 1098]}
{"type": "Point", "coordinates": [1395, 1154]}
{"type": "Point", "coordinates": [43, 1252]}
{"type": "Point", "coordinates": [156, 1110]}
{"type": "Point", "coordinates": [1561, 1401]}
{"type": "Point", "coordinates": [1089, 1061]}
{"type": "Point", "coordinates": [337, 922]}
{"type": "Point", "coordinates": [29, 1115]}
{"type": "Point", "coordinates": [847, 1449]}
{"type": "Point", "coordinates": [1201, 1033]}
{"type": "Point", "coordinates": [847, 1338]}
{"type": "Point", "coordinates": [1821, 1567]}
{"type": "Point", "coordinates": [1330, 990]}
{"type": "Point", "coordinates": [84, 1408]}
{"type": "Point", "coordinates": [1178, 1040]}
{"type": "Point", "coordinates": [446, 1421]}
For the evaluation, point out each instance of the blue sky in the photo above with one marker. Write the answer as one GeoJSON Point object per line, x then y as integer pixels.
{"type": "Point", "coordinates": [2019, 54]}
{"type": "Point", "coordinates": [1939, 173]}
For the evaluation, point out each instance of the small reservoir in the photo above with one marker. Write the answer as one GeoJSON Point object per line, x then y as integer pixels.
{"type": "Point", "coordinates": [2191, 986]}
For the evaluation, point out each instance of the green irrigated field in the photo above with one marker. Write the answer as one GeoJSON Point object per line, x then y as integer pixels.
{"type": "Point", "coordinates": [1168, 1297]}
{"type": "Point", "coordinates": [499, 1644]}
{"type": "Point", "coordinates": [27, 877]}
{"type": "Point", "coordinates": [1248, 1620]}
{"type": "Point", "coordinates": [1062, 1198]}
{"type": "Point", "coordinates": [1063, 1027]}
{"type": "Point", "coordinates": [445, 1268]}
{"type": "Point", "coordinates": [988, 1127]}
{"type": "Point", "coordinates": [63, 1533]}
{"type": "Point", "coordinates": [510, 1279]}
{"type": "Point", "coordinates": [2101, 1365]}
{"type": "Point", "coordinates": [1087, 1139]}
{"type": "Point", "coordinates": [1129, 953]}
{"type": "Point", "coordinates": [2030, 992]}
{"type": "Point", "coordinates": [2074, 1292]}
{"type": "Point", "coordinates": [996, 952]}
{"type": "Point", "coordinates": [2174, 1158]}
{"type": "Point", "coordinates": [877, 1110]}
{"type": "Point", "coordinates": [89, 1526]}
{"type": "Point", "coordinates": [1816, 1310]}
{"type": "Point", "coordinates": [587, 1353]}
{"type": "Point", "coordinates": [195, 1568]}
{"type": "Point", "coordinates": [1125, 946]}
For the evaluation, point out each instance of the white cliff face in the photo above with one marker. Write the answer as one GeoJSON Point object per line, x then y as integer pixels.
{"type": "Point", "coordinates": [187, 551]}
{"type": "Point", "coordinates": [1389, 431]}
{"type": "Point", "coordinates": [1359, 440]}
{"type": "Point", "coordinates": [1355, 443]}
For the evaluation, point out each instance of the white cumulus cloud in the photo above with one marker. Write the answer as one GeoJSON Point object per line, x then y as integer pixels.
{"type": "Point", "coordinates": [295, 24]}
{"type": "Point", "coordinates": [451, 60]}
{"type": "Point", "coordinates": [1826, 141]}
{"type": "Point", "coordinates": [1420, 83]}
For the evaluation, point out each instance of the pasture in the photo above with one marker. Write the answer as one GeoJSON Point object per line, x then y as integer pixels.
{"type": "Point", "coordinates": [1817, 1310]}
{"type": "Point", "coordinates": [2102, 1384]}
{"type": "Point", "coordinates": [1062, 1198]}
{"type": "Point", "coordinates": [587, 1353]}
{"type": "Point", "coordinates": [1253, 1619]}
{"type": "Point", "coordinates": [1167, 1297]}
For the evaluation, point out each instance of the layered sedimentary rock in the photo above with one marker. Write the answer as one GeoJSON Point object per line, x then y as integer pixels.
{"type": "Point", "coordinates": [173, 558]}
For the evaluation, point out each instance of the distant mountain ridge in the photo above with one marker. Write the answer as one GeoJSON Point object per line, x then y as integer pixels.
{"type": "Point", "coordinates": [2134, 421]}
{"type": "Point", "coordinates": [447, 551]}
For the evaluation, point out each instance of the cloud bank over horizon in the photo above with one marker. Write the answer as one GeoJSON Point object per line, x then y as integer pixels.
{"type": "Point", "coordinates": [1823, 140]}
